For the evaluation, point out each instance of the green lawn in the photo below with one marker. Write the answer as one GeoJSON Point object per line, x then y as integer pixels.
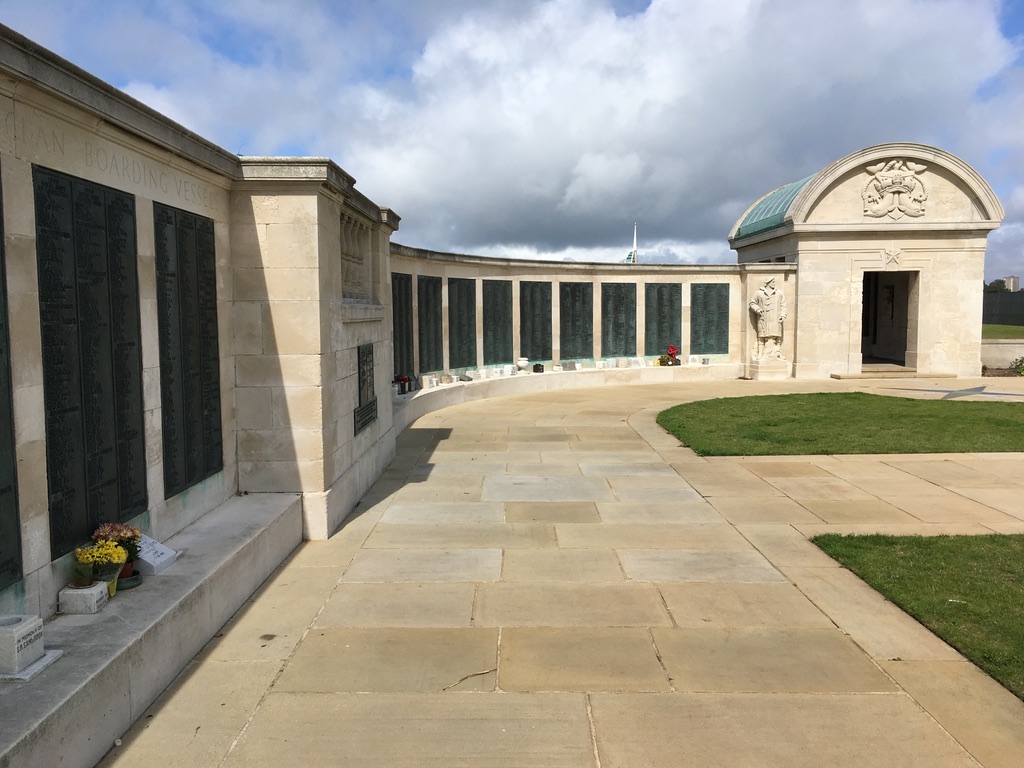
{"type": "Point", "coordinates": [839, 423]}
{"type": "Point", "coordinates": [1002, 331]}
{"type": "Point", "coordinates": [965, 589]}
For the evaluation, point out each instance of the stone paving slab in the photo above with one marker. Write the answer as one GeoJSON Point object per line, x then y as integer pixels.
{"type": "Point", "coordinates": [450, 730]}
{"type": "Point", "coordinates": [649, 536]}
{"type": "Point", "coordinates": [391, 660]}
{"type": "Point", "coordinates": [201, 715]}
{"type": "Point", "coordinates": [628, 470]}
{"type": "Point", "coordinates": [861, 511]}
{"type": "Point", "coordinates": [775, 469]}
{"type": "Point", "coordinates": [546, 489]}
{"type": "Point", "coordinates": [399, 605]}
{"type": "Point", "coordinates": [735, 604]}
{"type": "Point", "coordinates": [570, 605]}
{"type": "Point", "coordinates": [546, 468]}
{"type": "Point", "coordinates": [784, 545]}
{"type": "Point", "coordinates": [444, 512]}
{"type": "Point", "coordinates": [760, 509]}
{"type": "Point", "coordinates": [875, 624]}
{"type": "Point", "coordinates": [461, 535]}
{"type": "Point", "coordinates": [778, 730]}
{"type": "Point", "coordinates": [579, 659]}
{"type": "Point", "coordinates": [387, 565]}
{"type": "Point", "coordinates": [674, 512]}
{"type": "Point", "coordinates": [949, 508]}
{"type": "Point", "coordinates": [767, 660]}
{"type": "Point", "coordinates": [1004, 499]}
{"type": "Point", "coordinates": [561, 565]}
{"type": "Point", "coordinates": [820, 488]}
{"type": "Point", "coordinates": [697, 565]}
{"type": "Point", "coordinates": [978, 712]}
{"type": "Point", "coordinates": [949, 474]}
{"type": "Point", "coordinates": [551, 512]}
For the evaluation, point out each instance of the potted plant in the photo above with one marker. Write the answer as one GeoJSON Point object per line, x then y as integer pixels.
{"type": "Point", "coordinates": [124, 535]}
{"type": "Point", "coordinates": [107, 558]}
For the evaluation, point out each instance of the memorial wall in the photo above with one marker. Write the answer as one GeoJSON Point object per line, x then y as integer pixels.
{"type": "Point", "coordinates": [557, 313]}
{"type": "Point", "coordinates": [177, 325]}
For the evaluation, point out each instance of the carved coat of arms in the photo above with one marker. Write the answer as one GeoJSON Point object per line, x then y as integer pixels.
{"type": "Point", "coordinates": [895, 190]}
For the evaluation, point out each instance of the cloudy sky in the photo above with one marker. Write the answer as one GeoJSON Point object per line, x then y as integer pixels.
{"type": "Point", "coordinates": [545, 128]}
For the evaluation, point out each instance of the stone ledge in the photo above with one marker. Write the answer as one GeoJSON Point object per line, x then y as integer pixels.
{"type": "Point", "coordinates": [407, 408]}
{"type": "Point", "coordinates": [116, 662]}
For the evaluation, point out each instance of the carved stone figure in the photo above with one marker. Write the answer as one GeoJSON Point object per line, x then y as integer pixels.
{"type": "Point", "coordinates": [769, 308]}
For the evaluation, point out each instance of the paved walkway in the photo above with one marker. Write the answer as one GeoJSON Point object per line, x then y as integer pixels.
{"type": "Point", "coordinates": [550, 580]}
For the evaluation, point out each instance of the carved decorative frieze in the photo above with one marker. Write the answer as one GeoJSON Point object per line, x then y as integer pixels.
{"type": "Point", "coordinates": [895, 190]}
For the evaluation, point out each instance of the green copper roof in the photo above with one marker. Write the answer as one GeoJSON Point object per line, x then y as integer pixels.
{"type": "Point", "coordinates": [770, 211]}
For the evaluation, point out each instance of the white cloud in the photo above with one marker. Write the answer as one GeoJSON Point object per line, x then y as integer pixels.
{"type": "Point", "coordinates": [550, 127]}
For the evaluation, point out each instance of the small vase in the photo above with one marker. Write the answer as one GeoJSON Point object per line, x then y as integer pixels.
{"type": "Point", "coordinates": [522, 364]}
{"type": "Point", "coordinates": [81, 575]}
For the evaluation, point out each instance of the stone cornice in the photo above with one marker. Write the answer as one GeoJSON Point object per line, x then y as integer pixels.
{"type": "Point", "coordinates": [28, 61]}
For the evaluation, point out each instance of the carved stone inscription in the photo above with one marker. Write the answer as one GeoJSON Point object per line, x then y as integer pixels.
{"type": "Point", "coordinates": [497, 322]}
{"type": "Point", "coordinates": [618, 319]}
{"type": "Point", "coordinates": [189, 350]}
{"type": "Point", "coordinates": [576, 327]}
{"type": "Point", "coordinates": [663, 317]}
{"type": "Point", "coordinates": [401, 315]}
{"type": "Point", "coordinates": [709, 319]}
{"type": "Point", "coordinates": [431, 339]}
{"type": "Point", "coordinates": [10, 528]}
{"type": "Point", "coordinates": [535, 320]}
{"type": "Point", "coordinates": [92, 362]}
{"type": "Point", "coordinates": [462, 322]}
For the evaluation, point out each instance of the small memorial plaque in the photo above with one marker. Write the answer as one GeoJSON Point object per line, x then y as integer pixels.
{"type": "Point", "coordinates": [366, 413]}
{"type": "Point", "coordinates": [153, 556]}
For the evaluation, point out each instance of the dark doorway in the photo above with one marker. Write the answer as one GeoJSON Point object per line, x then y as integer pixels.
{"type": "Point", "coordinates": [885, 318]}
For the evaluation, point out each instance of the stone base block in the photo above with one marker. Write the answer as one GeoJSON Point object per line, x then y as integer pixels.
{"type": "Point", "coordinates": [32, 669]}
{"type": "Point", "coordinates": [83, 600]}
{"type": "Point", "coordinates": [21, 642]}
{"type": "Point", "coordinates": [770, 370]}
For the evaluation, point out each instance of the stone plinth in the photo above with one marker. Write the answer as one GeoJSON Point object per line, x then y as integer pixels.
{"type": "Point", "coordinates": [770, 370]}
{"type": "Point", "coordinates": [21, 642]}
{"type": "Point", "coordinates": [83, 600]}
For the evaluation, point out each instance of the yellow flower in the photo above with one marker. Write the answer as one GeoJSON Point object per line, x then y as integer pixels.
{"type": "Point", "coordinates": [102, 552]}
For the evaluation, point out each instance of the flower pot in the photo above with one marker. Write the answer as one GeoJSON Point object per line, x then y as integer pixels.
{"type": "Point", "coordinates": [81, 575]}
{"type": "Point", "coordinates": [126, 570]}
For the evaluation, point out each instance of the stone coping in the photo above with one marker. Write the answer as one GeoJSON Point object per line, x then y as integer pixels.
{"type": "Point", "coordinates": [116, 662]}
{"type": "Point", "coordinates": [999, 353]}
{"type": "Point", "coordinates": [409, 407]}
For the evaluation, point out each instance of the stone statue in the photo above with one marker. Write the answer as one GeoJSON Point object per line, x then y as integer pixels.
{"type": "Point", "coordinates": [769, 306]}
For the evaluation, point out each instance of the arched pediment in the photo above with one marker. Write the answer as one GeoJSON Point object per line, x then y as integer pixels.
{"type": "Point", "coordinates": [894, 185]}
